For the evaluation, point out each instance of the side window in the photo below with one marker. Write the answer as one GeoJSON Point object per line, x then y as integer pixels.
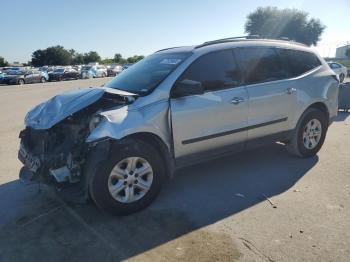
{"type": "Point", "coordinates": [215, 71]}
{"type": "Point", "coordinates": [298, 62]}
{"type": "Point", "coordinates": [260, 64]}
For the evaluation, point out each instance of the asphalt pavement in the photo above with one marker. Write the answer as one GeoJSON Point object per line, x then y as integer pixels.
{"type": "Point", "coordinates": [261, 205]}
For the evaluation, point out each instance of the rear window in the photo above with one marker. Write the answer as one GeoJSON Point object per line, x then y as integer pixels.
{"type": "Point", "coordinates": [298, 62]}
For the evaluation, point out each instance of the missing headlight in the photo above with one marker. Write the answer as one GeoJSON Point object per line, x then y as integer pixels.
{"type": "Point", "coordinates": [95, 121]}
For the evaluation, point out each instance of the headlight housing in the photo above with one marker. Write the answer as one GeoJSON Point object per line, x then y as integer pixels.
{"type": "Point", "coordinates": [95, 121]}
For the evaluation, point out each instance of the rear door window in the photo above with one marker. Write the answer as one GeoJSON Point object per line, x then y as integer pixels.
{"type": "Point", "coordinates": [260, 64]}
{"type": "Point", "coordinates": [216, 71]}
{"type": "Point", "coordinates": [298, 62]}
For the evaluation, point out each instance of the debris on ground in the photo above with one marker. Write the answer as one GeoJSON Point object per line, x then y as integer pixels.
{"type": "Point", "coordinates": [270, 201]}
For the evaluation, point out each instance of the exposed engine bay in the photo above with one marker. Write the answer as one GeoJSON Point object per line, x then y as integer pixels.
{"type": "Point", "coordinates": [58, 154]}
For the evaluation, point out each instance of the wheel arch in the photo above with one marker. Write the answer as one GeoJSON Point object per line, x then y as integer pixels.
{"type": "Point", "coordinates": [158, 144]}
{"type": "Point", "coordinates": [320, 106]}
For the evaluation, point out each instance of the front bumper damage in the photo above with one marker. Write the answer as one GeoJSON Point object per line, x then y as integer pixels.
{"type": "Point", "coordinates": [53, 146]}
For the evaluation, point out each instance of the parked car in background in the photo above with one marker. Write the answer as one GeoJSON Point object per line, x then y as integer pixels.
{"type": "Point", "coordinates": [114, 70]}
{"type": "Point", "coordinates": [60, 74]}
{"type": "Point", "coordinates": [92, 71]}
{"type": "Point", "coordinates": [117, 143]}
{"type": "Point", "coordinates": [339, 69]}
{"type": "Point", "coordinates": [2, 75]}
{"type": "Point", "coordinates": [21, 77]}
{"type": "Point", "coordinates": [77, 68]}
{"type": "Point", "coordinates": [126, 66]}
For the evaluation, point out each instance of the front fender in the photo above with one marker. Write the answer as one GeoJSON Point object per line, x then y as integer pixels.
{"type": "Point", "coordinates": [125, 121]}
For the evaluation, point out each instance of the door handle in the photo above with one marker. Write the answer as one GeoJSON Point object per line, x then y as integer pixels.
{"type": "Point", "coordinates": [290, 90]}
{"type": "Point", "coordinates": [237, 100]}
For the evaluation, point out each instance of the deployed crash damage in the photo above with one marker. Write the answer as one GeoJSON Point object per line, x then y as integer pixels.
{"type": "Point", "coordinates": [53, 144]}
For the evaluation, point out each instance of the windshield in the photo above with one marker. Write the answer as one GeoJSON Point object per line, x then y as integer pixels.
{"type": "Point", "coordinates": [60, 70]}
{"type": "Point", "coordinates": [144, 76]}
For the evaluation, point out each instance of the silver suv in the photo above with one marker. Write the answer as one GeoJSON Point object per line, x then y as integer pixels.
{"type": "Point", "coordinates": [176, 107]}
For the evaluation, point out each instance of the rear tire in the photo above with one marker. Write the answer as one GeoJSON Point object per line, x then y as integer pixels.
{"type": "Point", "coordinates": [309, 134]}
{"type": "Point", "coordinates": [42, 80]}
{"type": "Point", "coordinates": [341, 78]}
{"type": "Point", "coordinates": [101, 187]}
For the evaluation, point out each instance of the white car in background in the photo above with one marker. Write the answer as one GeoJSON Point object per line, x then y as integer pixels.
{"type": "Point", "coordinates": [339, 69]}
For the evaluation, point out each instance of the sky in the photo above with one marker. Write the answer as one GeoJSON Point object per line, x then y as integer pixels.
{"type": "Point", "coordinates": [143, 27]}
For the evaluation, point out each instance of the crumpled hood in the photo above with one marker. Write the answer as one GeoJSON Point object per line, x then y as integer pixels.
{"type": "Point", "coordinates": [54, 110]}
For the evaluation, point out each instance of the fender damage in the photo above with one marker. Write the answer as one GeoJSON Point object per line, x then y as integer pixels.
{"type": "Point", "coordinates": [53, 145]}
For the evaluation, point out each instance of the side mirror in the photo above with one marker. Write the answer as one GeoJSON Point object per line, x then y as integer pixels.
{"type": "Point", "coordinates": [186, 88]}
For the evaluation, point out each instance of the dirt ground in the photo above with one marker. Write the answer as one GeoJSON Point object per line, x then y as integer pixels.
{"type": "Point", "coordinates": [215, 211]}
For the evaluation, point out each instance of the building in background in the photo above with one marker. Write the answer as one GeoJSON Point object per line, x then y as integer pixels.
{"type": "Point", "coordinates": [340, 51]}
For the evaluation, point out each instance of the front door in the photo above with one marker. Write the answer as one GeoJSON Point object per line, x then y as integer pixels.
{"type": "Point", "coordinates": [217, 118]}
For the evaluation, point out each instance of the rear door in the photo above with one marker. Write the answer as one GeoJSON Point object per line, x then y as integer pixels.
{"type": "Point", "coordinates": [272, 100]}
{"type": "Point", "coordinates": [217, 118]}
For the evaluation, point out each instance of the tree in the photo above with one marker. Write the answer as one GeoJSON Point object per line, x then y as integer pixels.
{"type": "Point", "coordinates": [3, 62]}
{"type": "Point", "coordinates": [135, 59]}
{"type": "Point", "coordinates": [107, 61]}
{"type": "Point", "coordinates": [292, 23]}
{"type": "Point", "coordinates": [54, 55]}
{"type": "Point", "coordinates": [78, 59]}
{"type": "Point", "coordinates": [92, 56]}
{"type": "Point", "coordinates": [118, 59]}
{"type": "Point", "coordinates": [347, 52]}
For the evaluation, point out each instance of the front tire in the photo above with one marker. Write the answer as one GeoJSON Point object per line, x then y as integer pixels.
{"type": "Point", "coordinates": [42, 80]}
{"type": "Point", "coordinates": [341, 78]}
{"type": "Point", "coordinates": [129, 179]}
{"type": "Point", "coordinates": [309, 134]}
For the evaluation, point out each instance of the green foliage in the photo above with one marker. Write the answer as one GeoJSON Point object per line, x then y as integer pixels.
{"type": "Point", "coordinates": [347, 52]}
{"type": "Point", "coordinates": [107, 61]}
{"type": "Point", "coordinates": [118, 59]}
{"type": "Point", "coordinates": [343, 62]}
{"type": "Point", "coordinates": [292, 23]}
{"type": "Point", "coordinates": [58, 55]}
{"type": "Point", "coordinates": [92, 56]}
{"type": "Point", "coordinates": [3, 62]}
{"type": "Point", "coordinates": [54, 55]}
{"type": "Point", "coordinates": [135, 59]}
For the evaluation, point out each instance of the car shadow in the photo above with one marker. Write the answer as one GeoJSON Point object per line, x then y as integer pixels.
{"type": "Point", "coordinates": [41, 227]}
{"type": "Point", "coordinates": [342, 116]}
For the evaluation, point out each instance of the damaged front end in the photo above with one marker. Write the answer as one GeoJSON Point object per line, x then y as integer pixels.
{"type": "Point", "coordinates": [53, 145]}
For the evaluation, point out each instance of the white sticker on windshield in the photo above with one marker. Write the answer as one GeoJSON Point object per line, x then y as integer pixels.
{"type": "Point", "coordinates": [170, 61]}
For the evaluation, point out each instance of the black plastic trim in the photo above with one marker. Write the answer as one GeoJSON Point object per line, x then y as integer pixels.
{"type": "Point", "coordinates": [198, 139]}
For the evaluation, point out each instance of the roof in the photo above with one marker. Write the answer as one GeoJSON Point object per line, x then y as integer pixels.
{"type": "Point", "coordinates": [235, 42]}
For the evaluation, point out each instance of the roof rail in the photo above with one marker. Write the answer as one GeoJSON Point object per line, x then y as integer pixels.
{"type": "Point", "coordinates": [240, 38]}
{"type": "Point", "coordinates": [167, 48]}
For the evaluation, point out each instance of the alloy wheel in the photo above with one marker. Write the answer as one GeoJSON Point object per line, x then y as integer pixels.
{"type": "Point", "coordinates": [130, 179]}
{"type": "Point", "coordinates": [312, 134]}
